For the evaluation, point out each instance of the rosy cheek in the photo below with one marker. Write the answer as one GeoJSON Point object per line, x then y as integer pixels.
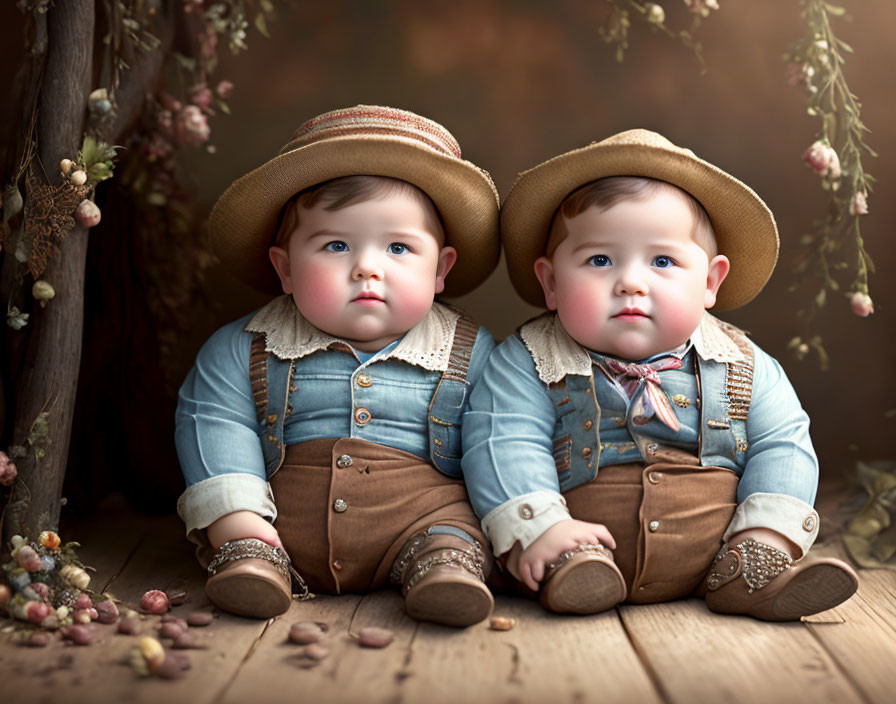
{"type": "Point", "coordinates": [315, 290]}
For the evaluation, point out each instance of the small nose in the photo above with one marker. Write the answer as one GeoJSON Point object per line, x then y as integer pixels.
{"type": "Point", "coordinates": [630, 282]}
{"type": "Point", "coordinates": [367, 266]}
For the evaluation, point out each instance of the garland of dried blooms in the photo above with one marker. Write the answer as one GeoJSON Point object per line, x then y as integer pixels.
{"type": "Point", "coordinates": [816, 63]}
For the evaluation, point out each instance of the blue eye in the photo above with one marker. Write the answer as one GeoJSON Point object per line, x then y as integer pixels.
{"type": "Point", "coordinates": [599, 260]}
{"type": "Point", "coordinates": [662, 262]}
{"type": "Point", "coordinates": [337, 246]}
{"type": "Point", "coordinates": [398, 248]}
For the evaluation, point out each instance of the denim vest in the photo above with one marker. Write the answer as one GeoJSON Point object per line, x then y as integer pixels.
{"type": "Point", "coordinates": [273, 380]}
{"type": "Point", "coordinates": [723, 392]}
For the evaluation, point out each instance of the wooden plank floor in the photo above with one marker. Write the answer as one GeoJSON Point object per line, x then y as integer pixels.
{"type": "Point", "coordinates": [677, 652]}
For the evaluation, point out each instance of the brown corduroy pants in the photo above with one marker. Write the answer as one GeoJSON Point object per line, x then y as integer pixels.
{"type": "Point", "coordinates": [346, 507]}
{"type": "Point", "coordinates": [667, 520]}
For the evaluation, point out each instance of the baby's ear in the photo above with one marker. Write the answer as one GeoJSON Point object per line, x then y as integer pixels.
{"type": "Point", "coordinates": [719, 266]}
{"type": "Point", "coordinates": [544, 270]}
{"type": "Point", "coordinates": [280, 259]}
{"type": "Point", "coordinates": [447, 258]}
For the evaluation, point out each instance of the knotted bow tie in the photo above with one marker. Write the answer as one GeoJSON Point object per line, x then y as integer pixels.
{"type": "Point", "coordinates": [653, 401]}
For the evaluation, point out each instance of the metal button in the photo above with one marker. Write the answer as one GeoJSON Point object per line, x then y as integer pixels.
{"type": "Point", "coordinates": [652, 448]}
{"type": "Point", "coordinates": [809, 524]}
{"type": "Point", "coordinates": [654, 477]}
{"type": "Point", "coordinates": [339, 505]}
{"type": "Point", "coordinates": [653, 526]}
{"type": "Point", "coordinates": [364, 380]}
{"type": "Point", "coordinates": [588, 425]}
{"type": "Point", "coordinates": [526, 512]}
{"type": "Point", "coordinates": [586, 452]}
{"type": "Point", "coordinates": [362, 416]}
{"type": "Point", "coordinates": [337, 565]}
{"type": "Point", "coordinates": [344, 461]}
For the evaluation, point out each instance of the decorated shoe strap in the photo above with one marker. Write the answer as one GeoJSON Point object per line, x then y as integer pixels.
{"type": "Point", "coordinates": [245, 548]}
{"type": "Point", "coordinates": [757, 562]}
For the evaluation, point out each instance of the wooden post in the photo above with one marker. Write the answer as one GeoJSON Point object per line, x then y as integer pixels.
{"type": "Point", "coordinates": [50, 373]}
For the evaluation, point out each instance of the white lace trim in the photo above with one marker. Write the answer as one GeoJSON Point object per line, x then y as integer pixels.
{"type": "Point", "coordinates": [557, 355]}
{"type": "Point", "coordinates": [290, 336]}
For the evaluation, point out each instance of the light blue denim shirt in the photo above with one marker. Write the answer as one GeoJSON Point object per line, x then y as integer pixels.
{"type": "Point", "coordinates": [217, 428]}
{"type": "Point", "coordinates": [508, 446]}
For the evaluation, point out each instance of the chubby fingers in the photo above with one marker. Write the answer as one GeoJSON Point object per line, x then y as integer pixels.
{"type": "Point", "coordinates": [526, 576]}
{"type": "Point", "coordinates": [604, 536]}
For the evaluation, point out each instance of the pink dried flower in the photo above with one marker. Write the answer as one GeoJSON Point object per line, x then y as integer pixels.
{"type": "Point", "coordinates": [861, 304]}
{"type": "Point", "coordinates": [154, 601]}
{"type": "Point", "coordinates": [201, 96]}
{"type": "Point", "coordinates": [208, 41]}
{"type": "Point", "coordinates": [702, 7]}
{"type": "Point", "coordinates": [192, 126]}
{"type": "Point", "coordinates": [28, 559]}
{"type": "Point", "coordinates": [859, 204]}
{"type": "Point", "coordinates": [169, 102]}
{"type": "Point", "coordinates": [823, 159]}
{"type": "Point", "coordinates": [224, 89]}
{"type": "Point", "coordinates": [82, 602]}
{"type": "Point", "coordinates": [41, 589]}
{"type": "Point", "coordinates": [799, 73]}
{"type": "Point", "coordinates": [193, 5]}
{"type": "Point", "coordinates": [8, 470]}
{"type": "Point", "coordinates": [37, 611]}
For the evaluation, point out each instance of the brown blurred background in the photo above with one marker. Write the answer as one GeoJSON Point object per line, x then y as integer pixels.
{"type": "Point", "coordinates": [518, 82]}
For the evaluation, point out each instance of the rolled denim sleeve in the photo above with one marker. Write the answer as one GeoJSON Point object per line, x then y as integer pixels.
{"type": "Point", "coordinates": [780, 478]}
{"type": "Point", "coordinates": [216, 433]}
{"type": "Point", "coordinates": [508, 447]}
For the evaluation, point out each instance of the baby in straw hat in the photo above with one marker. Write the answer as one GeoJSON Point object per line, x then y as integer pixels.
{"type": "Point", "coordinates": [627, 421]}
{"type": "Point", "coordinates": [320, 435]}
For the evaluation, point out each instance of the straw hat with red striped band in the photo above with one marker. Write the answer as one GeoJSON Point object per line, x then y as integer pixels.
{"type": "Point", "coordinates": [363, 140]}
{"type": "Point", "coordinates": [744, 227]}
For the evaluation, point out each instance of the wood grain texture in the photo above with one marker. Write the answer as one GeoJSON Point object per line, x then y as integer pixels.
{"type": "Point", "coordinates": [697, 655]}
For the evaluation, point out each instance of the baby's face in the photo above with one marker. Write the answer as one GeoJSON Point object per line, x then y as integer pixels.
{"type": "Point", "coordinates": [630, 280]}
{"type": "Point", "coordinates": [366, 273]}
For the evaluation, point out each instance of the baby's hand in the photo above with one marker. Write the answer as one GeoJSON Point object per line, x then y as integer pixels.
{"type": "Point", "coordinates": [242, 524]}
{"type": "Point", "coordinates": [529, 565]}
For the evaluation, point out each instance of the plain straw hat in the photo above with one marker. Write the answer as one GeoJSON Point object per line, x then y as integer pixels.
{"type": "Point", "coordinates": [370, 140]}
{"type": "Point", "coordinates": [744, 226]}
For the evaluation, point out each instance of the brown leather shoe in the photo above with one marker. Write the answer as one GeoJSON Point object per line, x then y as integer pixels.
{"type": "Point", "coordinates": [585, 581]}
{"type": "Point", "coordinates": [756, 579]}
{"type": "Point", "coordinates": [250, 578]}
{"type": "Point", "coordinates": [443, 580]}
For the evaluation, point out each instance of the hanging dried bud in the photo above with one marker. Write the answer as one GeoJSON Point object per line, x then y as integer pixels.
{"type": "Point", "coordinates": [823, 159]}
{"type": "Point", "coordinates": [79, 177]}
{"type": "Point", "coordinates": [88, 213]}
{"type": "Point", "coordinates": [75, 576]}
{"type": "Point", "coordinates": [66, 165]}
{"type": "Point", "coordinates": [655, 13]}
{"type": "Point", "coordinates": [98, 101]}
{"type": "Point", "coordinates": [861, 304]}
{"type": "Point", "coordinates": [12, 202]}
{"type": "Point", "coordinates": [43, 291]}
{"type": "Point", "coordinates": [859, 204]}
{"type": "Point", "coordinates": [224, 89]}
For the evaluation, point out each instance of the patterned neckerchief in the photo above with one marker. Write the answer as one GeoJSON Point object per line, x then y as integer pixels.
{"type": "Point", "coordinates": [632, 376]}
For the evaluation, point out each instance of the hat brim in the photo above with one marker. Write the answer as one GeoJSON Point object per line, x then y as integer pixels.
{"type": "Point", "coordinates": [744, 227]}
{"type": "Point", "coordinates": [243, 220]}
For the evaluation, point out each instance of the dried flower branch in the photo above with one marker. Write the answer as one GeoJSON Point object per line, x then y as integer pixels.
{"type": "Point", "coordinates": [816, 63]}
{"type": "Point", "coordinates": [615, 29]}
